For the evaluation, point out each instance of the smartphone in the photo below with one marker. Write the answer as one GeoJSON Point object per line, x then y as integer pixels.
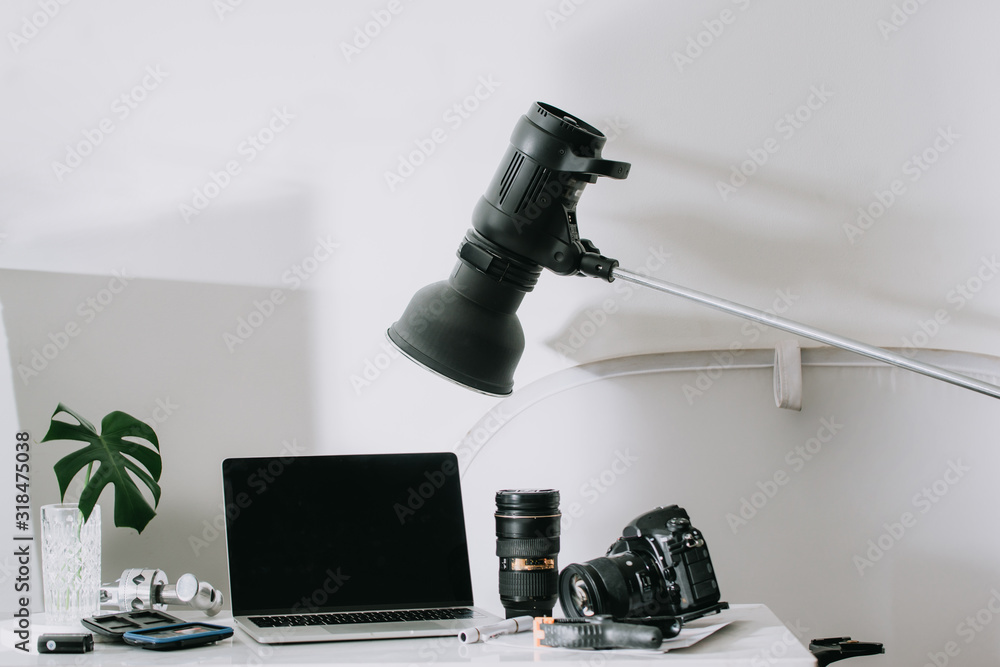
{"type": "Point", "coordinates": [181, 635]}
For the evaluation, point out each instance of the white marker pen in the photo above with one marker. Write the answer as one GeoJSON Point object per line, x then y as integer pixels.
{"type": "Point", "coordinates": [484, 632]}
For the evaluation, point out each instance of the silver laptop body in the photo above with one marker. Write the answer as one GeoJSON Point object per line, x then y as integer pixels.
{"type": "Point", "coordinates": [346, 547]}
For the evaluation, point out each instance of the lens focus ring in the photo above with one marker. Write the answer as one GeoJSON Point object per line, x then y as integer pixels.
{"type": "Point", "coordinates": [524, 585]}
{"type": "Point", "coordinates": [527, 548]}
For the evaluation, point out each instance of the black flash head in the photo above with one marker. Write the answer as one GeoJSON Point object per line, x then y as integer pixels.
{"type": "Point", "coordinates": [529, 209]}
{"type": "Point", "coordinates": [466, 328]}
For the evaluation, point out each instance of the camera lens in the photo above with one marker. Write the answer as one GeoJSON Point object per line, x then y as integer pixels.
{"type": "Point", "coordinates": [527, 525]}
{"type": "Point", "coordinates": [627, 583]}
{"type": "Point", "coordinates": [659, 567]}
{"type": "Point", "coordinates": [579, 596]}
{"type": "Point", "coordinates": [610, 585]}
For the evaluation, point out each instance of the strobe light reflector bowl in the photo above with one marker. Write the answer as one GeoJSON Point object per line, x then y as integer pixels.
{"type": "Point", "coordinates": [465, 329]}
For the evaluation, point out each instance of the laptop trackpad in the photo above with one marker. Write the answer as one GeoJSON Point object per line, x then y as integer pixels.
{"type": "Point", "coordinates": [398, 629]}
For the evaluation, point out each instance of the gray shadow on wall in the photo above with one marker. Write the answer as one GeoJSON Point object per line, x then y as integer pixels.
{"type": "Point", "coordinates": [218, 371]}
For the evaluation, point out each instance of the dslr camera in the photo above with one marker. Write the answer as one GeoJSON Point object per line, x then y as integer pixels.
{"type": "Point", "coordinates": [659, 567]}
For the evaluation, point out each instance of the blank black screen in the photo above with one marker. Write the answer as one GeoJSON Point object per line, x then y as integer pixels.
{"type": "Point", "coordinates": [337, 533]}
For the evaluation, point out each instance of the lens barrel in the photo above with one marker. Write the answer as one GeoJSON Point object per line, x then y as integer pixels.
{"type": "Point", "coordinates": [527, 527]}
{"type": "Point", "coordinates": [607, 585]}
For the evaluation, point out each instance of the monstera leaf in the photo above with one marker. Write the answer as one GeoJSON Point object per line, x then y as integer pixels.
{"type": "Point", "coordinates": [115, 458]}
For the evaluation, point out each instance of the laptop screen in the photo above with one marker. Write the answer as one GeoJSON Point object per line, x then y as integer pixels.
{"type": "Point", "coordinates": [344, 533]}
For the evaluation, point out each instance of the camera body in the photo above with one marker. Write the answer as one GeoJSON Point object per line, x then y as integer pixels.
{"type": "Point", "coordinates": [668, 539]}
{"type": "Point", "coordinates": [660, 566]}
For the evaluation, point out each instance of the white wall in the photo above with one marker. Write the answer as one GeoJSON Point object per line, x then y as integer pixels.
{"type": "Point", "coordinates": [855, 516]}
{"type": "Point", "coordinates": [202, 79]}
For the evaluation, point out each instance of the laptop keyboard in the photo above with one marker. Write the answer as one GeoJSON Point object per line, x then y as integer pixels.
{"type": "Point", "coordinates": [348, 618]}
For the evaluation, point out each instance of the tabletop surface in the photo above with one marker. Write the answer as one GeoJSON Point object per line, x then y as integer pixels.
{"type": "Point", "coordinates": [753, 636]}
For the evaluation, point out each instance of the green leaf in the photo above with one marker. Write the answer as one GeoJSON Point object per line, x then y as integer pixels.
{"type": "Point", "coordinates": [115, 458]}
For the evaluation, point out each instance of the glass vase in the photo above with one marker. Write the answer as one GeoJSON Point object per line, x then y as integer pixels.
{"type": "Point", "coordinates": [71, 563]}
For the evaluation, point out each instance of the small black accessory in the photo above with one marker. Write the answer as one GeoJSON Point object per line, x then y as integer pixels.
{"type": "Point", "coordinates": [659, 567]}
{"type": "Point", "coordinates": [527, 525]}
{"type": "Point", "coordinates": [833, 649]}
{"type": "Point", "coordinates": [596, 632]}
{"type": "Point", "coordinates": [115, 626]}
{"type": "Point", "coordinates": [66, 643]}
{"type": "Point", "coordinates": [172, 637]}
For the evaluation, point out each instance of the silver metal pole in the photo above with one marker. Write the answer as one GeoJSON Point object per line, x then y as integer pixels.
{"type": "Point", "coordinates": [810, 332]}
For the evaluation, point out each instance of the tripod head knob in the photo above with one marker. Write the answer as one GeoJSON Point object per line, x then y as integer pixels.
{"type": "Point", "coordinates": [146, 588]}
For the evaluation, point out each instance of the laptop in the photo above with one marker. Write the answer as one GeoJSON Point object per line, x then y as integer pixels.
{"type": "Point", "coordinates": [346, 547]}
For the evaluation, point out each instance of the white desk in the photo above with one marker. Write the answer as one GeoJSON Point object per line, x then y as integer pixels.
{"type": "Point", "coordinates": [755, 637]}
